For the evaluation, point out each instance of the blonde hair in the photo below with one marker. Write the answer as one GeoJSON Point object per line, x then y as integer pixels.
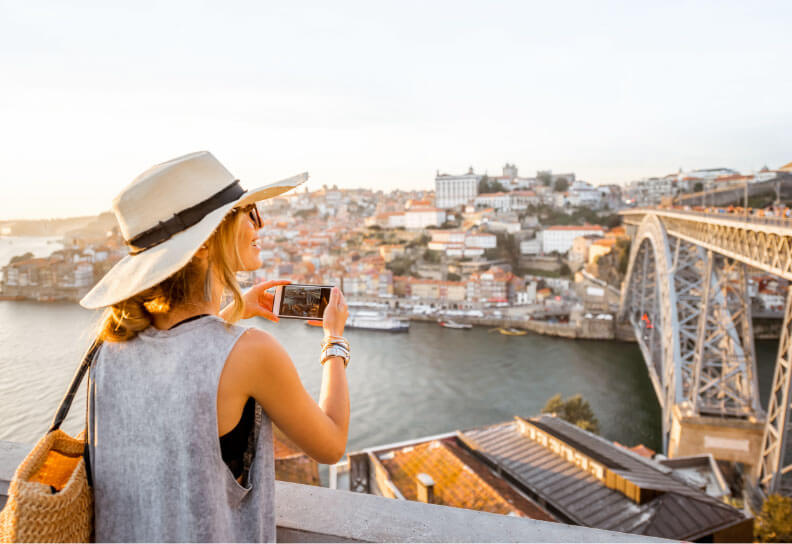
{"type": "Point", "coordinates": [124, 320]}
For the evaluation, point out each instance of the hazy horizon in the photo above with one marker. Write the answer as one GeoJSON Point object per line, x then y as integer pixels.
{"type": "Point", "coordinates": [382, 95]}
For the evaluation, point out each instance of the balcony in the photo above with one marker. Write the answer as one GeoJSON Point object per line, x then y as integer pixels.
{"type": "Point", "coordinates": [315, 514]}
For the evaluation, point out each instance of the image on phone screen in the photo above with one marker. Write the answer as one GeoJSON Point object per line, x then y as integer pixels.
{"type": "Point", "coordinates": [304, 301]}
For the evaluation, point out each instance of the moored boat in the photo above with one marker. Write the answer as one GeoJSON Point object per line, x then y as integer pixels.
{"type": "Point", "coordinates": [511, 331]}
{"type": "Point", "coordinates": [454, 325]}
{"type": "Point", "coordinates": [376, 321]}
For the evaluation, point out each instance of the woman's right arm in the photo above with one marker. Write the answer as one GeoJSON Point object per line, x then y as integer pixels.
{"type": "Point", "coordinates": [261, 368]}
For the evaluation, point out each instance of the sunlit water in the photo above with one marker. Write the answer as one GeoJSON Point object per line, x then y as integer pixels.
{"type": "Point", "coordinates": [430, 380]}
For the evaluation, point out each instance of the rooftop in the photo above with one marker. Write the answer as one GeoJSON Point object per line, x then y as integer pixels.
{"type": "Point", "coordinates": [460, 479]}
{"type": "Point", "coordinates": [576, 227]}
{"type": "Point", "coordinates": [592, 482]}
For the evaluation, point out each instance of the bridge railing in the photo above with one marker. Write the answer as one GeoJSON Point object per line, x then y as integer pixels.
{"type": "Point", "coordinates": [773, 221]}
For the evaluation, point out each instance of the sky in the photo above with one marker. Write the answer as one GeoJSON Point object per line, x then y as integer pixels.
{"type": "Point", "coordinates": [383, 94]}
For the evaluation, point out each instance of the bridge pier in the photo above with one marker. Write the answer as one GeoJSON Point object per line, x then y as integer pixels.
{"type": "Point", "coordinates": [727, 439]}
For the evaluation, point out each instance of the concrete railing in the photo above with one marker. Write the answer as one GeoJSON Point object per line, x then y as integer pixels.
{"type": "Point", "coordinates": [306, 513]}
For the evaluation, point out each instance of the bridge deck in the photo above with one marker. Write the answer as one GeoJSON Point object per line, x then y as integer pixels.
{"type": "Point", "coordinates": [764, 243]}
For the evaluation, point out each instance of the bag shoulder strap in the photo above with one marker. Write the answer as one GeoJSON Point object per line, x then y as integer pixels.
{"type": "Point", "coordinates": [66, 403]}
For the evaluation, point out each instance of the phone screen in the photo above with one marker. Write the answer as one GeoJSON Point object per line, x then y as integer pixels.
{"type": "Point", "coordinates": [304, 301]}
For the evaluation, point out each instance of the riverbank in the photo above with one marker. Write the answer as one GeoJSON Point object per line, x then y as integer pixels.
{"type": "Point", "coordinates": [589, 329]}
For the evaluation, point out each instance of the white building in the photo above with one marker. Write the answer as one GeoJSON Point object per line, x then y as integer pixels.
{"type": "Point", "coordinates": [420, 218]}
{"type": "Point", "coordinates": [528, 296]}
{"type": "Point", "coordinates": [584, 194]}
{"type": "Point", "coordinates": [461, 244]}
{"type": "Point", "coordinates": [560, 237]}
{"type": "Point", "coordinates": [452, 191]}
{"type": "Point", "coordinates": [447, 237]}
{"type": "Point", "coordinates": [396, 220]}
{"type": "Point", "coordinates": [520, 200]}
{"type": "Point", "coordinates": [531, 247]}
{"type": "Point", "coordinates": [650, 191]}
{"type": "Point", "coordinates": [481, 240]}
{"type": "Point", "coordinates": [499, 201]}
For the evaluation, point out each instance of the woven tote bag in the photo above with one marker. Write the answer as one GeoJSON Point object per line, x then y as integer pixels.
{"type": "Point", "coordinates": [50, 497]}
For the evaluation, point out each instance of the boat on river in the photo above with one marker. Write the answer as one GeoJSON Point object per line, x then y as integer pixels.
{"type": "Point", "coordinates": [376, 321]}
{"type": "Point", "coordinates": [510, 331]}
{"type": "Point", "coordinates": [448, 324]}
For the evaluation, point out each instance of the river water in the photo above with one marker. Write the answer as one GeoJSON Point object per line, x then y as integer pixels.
{"type": "Point", "coordinates": [402, 386]}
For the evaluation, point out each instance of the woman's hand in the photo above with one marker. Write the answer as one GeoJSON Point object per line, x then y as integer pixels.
{"type": "Point", "coordinates": [258, 303]}
{"type": "Point", "coordinates": [336, 314]}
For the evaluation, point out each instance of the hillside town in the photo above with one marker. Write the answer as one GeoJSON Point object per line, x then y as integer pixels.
{"type": "Point", "coordinates": [544, 253]}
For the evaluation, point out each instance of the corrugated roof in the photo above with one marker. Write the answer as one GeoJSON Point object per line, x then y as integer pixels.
{"type": "Point", "coordinates": [678, 511]}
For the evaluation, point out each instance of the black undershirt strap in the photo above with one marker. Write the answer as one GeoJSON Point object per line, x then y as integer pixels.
{"type": "Point", "coordinates": [183, 321]}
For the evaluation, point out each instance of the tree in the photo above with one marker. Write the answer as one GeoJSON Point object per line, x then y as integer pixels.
{"type": "Point", "coordinates": [774, 523]}
{"type": "Point", "coordinates": [400, 266]}
{"type": "Point", "coordinates": [486, 185]}
{"type": "Point", "coordinates": [420, 241]}
{"type": "Point", "coordinates": [560, 185]}
{"type": "Point", "coordinates": [432, 256]}
{"type": "Point", "coordinates": [575, 410]}
{"type": "Point", "coordinates": [483, 185]}
{"type": "Point", "coordinates": [623, 246]}
{"type": "Point", "coordinates": [698, 187]}
{"type": "Point", "coordinates": [545, 178]}
{"type": "Point", "coordinates": [20, 258]}
{"type": "Point", "coordinates": [307, 212]}
{"type": "Point", "coordinates": [452, 276]}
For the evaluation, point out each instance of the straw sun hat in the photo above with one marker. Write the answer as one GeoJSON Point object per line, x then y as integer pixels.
{"type": "Point", "coordinates": [166, 214]}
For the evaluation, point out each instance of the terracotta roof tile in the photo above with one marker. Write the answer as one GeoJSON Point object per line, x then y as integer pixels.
{"type": "Point", "coordinates": [460, 479]}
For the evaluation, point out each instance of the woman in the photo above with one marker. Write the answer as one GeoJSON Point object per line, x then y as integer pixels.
{"type": "Point", "coordinates": [182, 399]}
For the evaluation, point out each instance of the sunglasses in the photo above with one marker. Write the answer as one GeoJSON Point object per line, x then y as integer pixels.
{"type": "Point", "coordinates": [253, 214]}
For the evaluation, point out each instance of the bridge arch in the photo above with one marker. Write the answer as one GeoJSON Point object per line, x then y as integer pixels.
{"type": "Point", "coordinates": [648, 303]}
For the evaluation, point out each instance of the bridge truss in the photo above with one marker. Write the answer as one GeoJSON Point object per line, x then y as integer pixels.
{"type": "Point", "coordinates": [686, 296]}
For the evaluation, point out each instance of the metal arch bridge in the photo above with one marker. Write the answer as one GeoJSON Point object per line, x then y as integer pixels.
{"type": "Point", "coordinates": [686, 296]}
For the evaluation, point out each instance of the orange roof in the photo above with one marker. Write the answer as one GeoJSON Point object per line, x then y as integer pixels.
{"type": "Point", "coordinates": [640, 449]}
{"type": "Point", "coordinates": [458, 483]}
{"type": "Point", "coordinates": [575, 227]}
{"type": "Point", "coordinates": [425, 281]}
{"type": "Point", "coordinates": [491, 194]}
{"type": "Point", "coordinates": [786, 168]}
{"type": "Point", "coordinates": [417, 210]}
{"type": "Point", "coordinates": [607, 242]}
{"type": "Point", "coordinates": [732, 177]}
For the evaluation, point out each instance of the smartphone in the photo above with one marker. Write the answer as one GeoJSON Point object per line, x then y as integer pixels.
{"type": "Point", "coordinates": [301, 301]}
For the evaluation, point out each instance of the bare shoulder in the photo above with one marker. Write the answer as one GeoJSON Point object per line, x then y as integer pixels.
{"type": "Point", "coordinates": [256, 346]}
{"type": "Point", "coordinates": [257, 353]}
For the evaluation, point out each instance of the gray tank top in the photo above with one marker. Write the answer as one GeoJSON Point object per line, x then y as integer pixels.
{"type": "Point", "coordinates": [157, 466]}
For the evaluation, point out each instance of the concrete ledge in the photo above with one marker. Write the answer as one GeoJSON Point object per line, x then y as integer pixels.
{"type": "Point", "coordinates": [11, 455]}
{"type": "Point", "coordinates": [305, 513]}
{"type": "Point", "coordinates": [345, 516]}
